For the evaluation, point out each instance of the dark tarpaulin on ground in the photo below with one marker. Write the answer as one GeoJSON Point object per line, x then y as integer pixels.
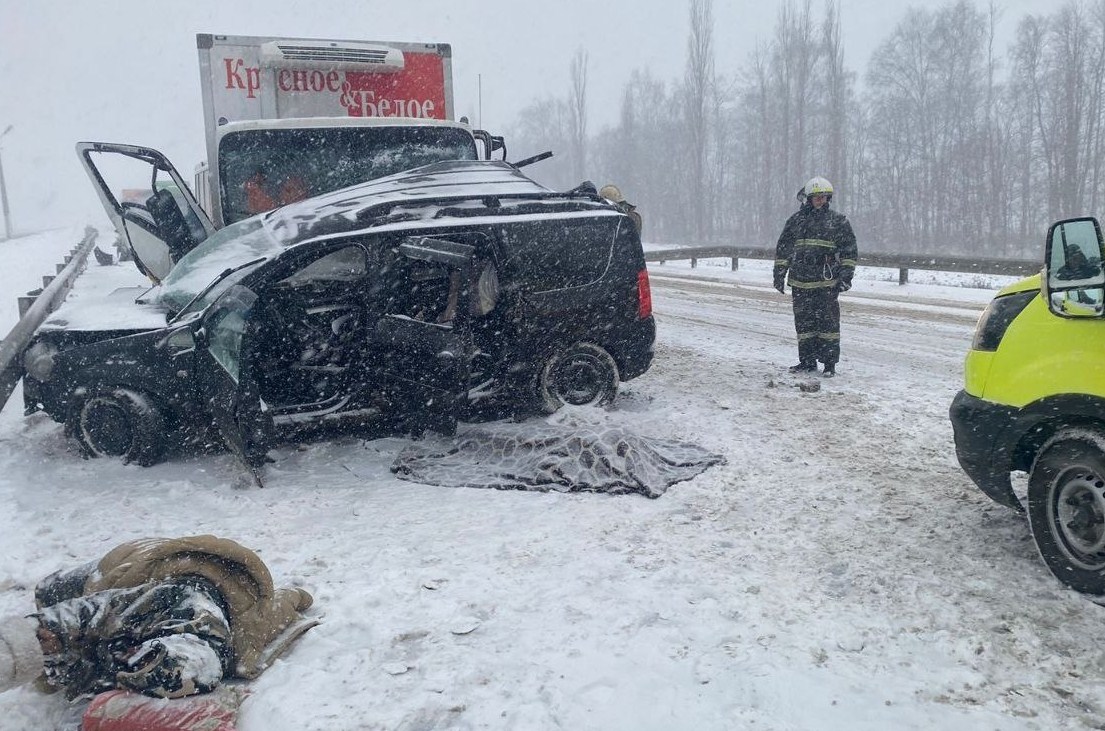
{"type": "Point", "coordinates": [542, 457]}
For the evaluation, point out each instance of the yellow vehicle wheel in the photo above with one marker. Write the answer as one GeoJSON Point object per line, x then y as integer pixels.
{"type": "Point", "coordinates": [1066, 508]}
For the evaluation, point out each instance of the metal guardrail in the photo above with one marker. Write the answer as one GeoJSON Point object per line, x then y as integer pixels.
{"type": "Point", "coordinates": [35, 308]}
{"type": "Point", "coordinates": [902, 262]}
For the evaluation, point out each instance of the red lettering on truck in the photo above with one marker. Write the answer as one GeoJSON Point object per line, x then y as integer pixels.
{"type": "Point", "coordinates": [252, 81]}
{"type": "Point", "coordinates": [417, 91]}
{"type": "Point", "coordinates": [293, 80]}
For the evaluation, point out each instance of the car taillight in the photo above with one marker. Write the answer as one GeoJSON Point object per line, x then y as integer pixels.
{"type": "Point", "coordinates": [997, 317]}
{"type": "Point", "coordinates": [644, 295]}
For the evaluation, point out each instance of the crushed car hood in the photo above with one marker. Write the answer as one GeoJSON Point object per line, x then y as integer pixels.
{"type": "Point", "coordinates": [116, 311]}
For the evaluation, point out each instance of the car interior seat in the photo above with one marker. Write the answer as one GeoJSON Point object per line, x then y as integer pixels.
{"type": "Point", "coordinates": [171, 226]}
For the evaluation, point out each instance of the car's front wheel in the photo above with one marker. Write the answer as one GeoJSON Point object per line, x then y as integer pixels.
{"type": "Point", "coordinates": [118, 422]}
{"type": "Point", "coordinates": [1066, 508]}
{"type": "Point", "coordinates": [580, 375]}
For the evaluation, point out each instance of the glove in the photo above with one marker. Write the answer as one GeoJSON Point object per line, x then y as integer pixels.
{"type": "Point", "coordinates": [779, 283]}
{"type": "Point", "coordinates": [779, 286]}
{"type": "Point", "coordinates": [843, 285]}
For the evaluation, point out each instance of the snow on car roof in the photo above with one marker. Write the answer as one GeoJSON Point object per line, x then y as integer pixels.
{"type": "Point", "coordinates": [453, 181]}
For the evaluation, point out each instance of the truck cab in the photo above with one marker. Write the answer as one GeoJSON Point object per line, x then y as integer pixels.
{"type": "Point", "coordinates": [264, 164]}
{"type": "Point", "coordinates": [290, 118]}
{"type": "Point", "coordinates": [1034, 401]}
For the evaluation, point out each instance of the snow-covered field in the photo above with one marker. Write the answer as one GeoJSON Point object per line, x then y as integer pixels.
{"type": "Point", "coordinates": [838, 573]}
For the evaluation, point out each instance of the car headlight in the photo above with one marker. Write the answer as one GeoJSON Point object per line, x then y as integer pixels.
{"type": "Point", "coordinates": [997, 318]}
{"type": "Point", "coordinates": [38, 361]}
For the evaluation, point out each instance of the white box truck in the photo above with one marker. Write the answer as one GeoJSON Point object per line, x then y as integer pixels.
{"type": "Point", "coordinates": [289, 118]}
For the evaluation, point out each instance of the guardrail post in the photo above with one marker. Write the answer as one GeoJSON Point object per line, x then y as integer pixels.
{"type": "Point", "coordinates": [733, 264]}
{"type": "Point", "coordinates": [903, 276]}
{"type": "Point", "coordinates": [46, 279]}
{"type": "Point", "coordinates": [33, 311]}
{"type": "Point", "coordinates": [694, 262]}
{"type": "Point", "coordinates": [25, 303]}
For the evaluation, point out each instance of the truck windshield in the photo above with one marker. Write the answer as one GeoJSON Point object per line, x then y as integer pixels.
{"type": "Point", "coordinates": [264, 169]}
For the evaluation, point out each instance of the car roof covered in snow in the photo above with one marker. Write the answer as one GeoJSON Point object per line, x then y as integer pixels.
{"type": "Point", "coordinates": [435, 194]}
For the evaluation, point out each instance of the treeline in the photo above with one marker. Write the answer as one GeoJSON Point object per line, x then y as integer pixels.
{"type": "Point", "coordinates": [950, 146]}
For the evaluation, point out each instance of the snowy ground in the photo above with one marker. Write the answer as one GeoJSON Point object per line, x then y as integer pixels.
{"type": "Point", "coordinates": [838, 573]}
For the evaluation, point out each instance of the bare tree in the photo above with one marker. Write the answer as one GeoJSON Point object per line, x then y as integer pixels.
{"type": "Point", "coordinates": [640, 156]}
{"type": "Point", "coordinates": [834, 81]}
{"type": "Point", "coordinates": [796, 51]}
{"type": "Point", "coordinates": [544, 125]}
{"type": "Point", "coordinates": [927, 121]}
{"type": "Point", "coordinates": [1027, 100]}
{"type": "Point", "coordinates": [954, 147]}
{"type": "Point", "coordinates": [994, 198]}
{"type": "Point", "coordinates": [577, 105]}
{"type": "Point", "coordinates": [1058, 66]}
{"type": "Point", "coordinates": [698, 79]}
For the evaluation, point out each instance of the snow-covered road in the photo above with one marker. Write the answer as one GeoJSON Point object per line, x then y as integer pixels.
{"type": "Point", "coordinates": [839, 572]}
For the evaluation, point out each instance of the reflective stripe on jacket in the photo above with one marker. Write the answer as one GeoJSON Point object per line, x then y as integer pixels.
{"type": "Point", "coordinates": [816, 249]}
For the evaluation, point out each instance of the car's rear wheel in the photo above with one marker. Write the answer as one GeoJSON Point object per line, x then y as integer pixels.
{"type": "Point", "coordinates": [1066, 508]}
{"type": "Point", "coordinates": [583, 374]}
{"type": "Point", "coordinates": [118, 422]}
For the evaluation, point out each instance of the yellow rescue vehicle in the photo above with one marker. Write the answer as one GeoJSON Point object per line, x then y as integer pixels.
{"type": "Point", "coordinates": [1034, 401]}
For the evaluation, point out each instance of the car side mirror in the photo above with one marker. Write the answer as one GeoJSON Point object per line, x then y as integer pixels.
{"type": "Point", "coordinates": [1087, 302]}
{"type": "Point", "coordinates": [178, 341]}
{"type": "Point", "coordinates": [1073, 280]}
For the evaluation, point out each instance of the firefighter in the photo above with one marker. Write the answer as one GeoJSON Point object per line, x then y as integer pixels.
{"type": "Point", "coordinates": [614, 195]}
{"type": "Point", "coordinates": [816, 255]}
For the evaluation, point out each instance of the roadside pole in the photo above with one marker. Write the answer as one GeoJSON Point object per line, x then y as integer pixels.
{"type": "Point", "coordinates": [4, 195]}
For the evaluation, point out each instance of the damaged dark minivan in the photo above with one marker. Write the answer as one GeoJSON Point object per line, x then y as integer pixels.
{"type": "Point", "coordinates": [456, 290]}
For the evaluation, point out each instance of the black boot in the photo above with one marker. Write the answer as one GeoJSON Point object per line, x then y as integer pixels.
{"type": "Point", "coordinates": [830, 370]}
{"type": "Point", "coordinates": [803, 368]}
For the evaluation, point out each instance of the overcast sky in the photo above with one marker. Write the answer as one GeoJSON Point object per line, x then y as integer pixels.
{"type": "Point", "coordinates": [126, 70]}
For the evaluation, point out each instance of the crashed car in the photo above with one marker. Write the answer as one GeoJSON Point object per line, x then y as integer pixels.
{"type": "Point", "coordinates": [451, 290]}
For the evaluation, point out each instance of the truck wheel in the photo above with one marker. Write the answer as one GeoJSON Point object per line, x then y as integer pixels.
{"type": "Point", "coordinates": [118, 422]}
{"type": "Point", "coordinates": [581, 375]}
{"type": "Point", "coordinates": [1066, 508]}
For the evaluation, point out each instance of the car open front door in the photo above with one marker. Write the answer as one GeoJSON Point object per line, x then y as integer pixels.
{"type": "Point", "coordinates": [422, 345]}
{"type": "Point", "coordinates": [227, 380]}
{"type": "Point", "coordinates": [153, 211]}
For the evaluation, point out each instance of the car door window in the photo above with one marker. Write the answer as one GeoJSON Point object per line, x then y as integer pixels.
{"type": "Point", "coordinates": [554, 254]}
{"type": "Point", "coordinates": [226, 328]}
{"type": "Point", "coordinates": [347, 264]}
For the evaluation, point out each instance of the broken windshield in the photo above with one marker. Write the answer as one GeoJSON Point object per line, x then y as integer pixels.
{"type": "Point", "coordinates": [267, 168]}
{"type": "Point", "coordinates": [228, 248]}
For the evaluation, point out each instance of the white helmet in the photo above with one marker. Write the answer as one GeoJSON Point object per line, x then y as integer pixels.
{"type": "Point", "coordinates": [818, 186]}
{"type": "Point", "coordinates": [611, 193]}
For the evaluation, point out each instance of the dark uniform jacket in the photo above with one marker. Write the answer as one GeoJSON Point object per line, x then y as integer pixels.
{"type": "Point", "coordinates": [817, 249]}
{"type": "Point", "coordinates": [166, 617]}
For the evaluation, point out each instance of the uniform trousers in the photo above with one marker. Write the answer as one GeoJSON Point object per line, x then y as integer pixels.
{"type": "Point", "coordinates": [817, 322]}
